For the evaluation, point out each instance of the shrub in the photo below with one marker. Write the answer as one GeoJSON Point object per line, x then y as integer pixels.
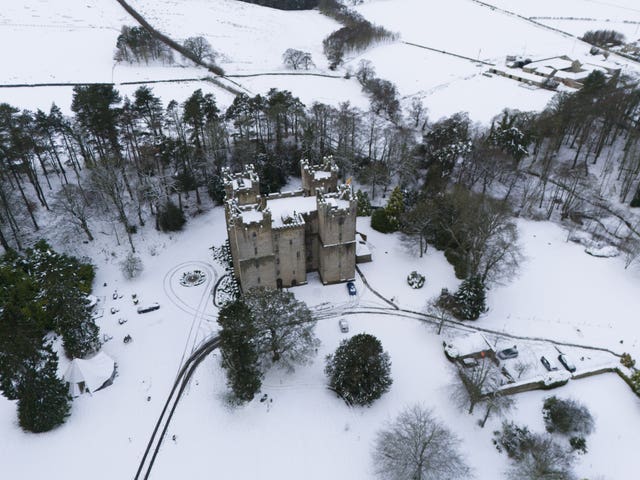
{"type": "Point", "coordinates": [627, 360]}
{"type": "Point", "coordinates": [360, 370]}
{"type": "Point", "coordinates": [415, 280]}
{"type": "Point", "coordinates": [380, 221]}
{"type": "Point", "coordinates": [578, 444]}
{"type": "Point", "coordinates": [566, 416]}
{"type": "Point", "coordinates": [171, 218]}
{"type": "Point", "coordinates": [513, 439]}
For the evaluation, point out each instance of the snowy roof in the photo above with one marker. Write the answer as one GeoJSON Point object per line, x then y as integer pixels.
{"type": "Point", "coordinates": [336, 202]}
{"type": "Point", "coordinates": [284, 208]}
{"type": "Point", "coordinates": [94, 372]}
{"type": "Point", "coordinates": [253, 215]}
{"type": "Point", "coordinates": [240, 183]}
{"type": "Point", "coordinates": [362, 249]}
{"type": "Point", "coordinates": [556, 63]}
{"type": "Point", "coordinates": [321, 175]}
{"type": "Point", "coordinates": [474, 343]}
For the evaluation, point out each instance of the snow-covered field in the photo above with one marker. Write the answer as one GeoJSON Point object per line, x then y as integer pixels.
{"type": "Point", "coordinates": [306, 431]}
{"type": "Point", "coordinates": [76, 44]}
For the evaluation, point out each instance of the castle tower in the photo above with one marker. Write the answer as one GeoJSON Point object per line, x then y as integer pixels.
{"type": "Point", "coordinates": [336, 231]}
{"type": "Point", "coordinates": [323, 176]}
{"type": "Point", "coordinates": [251, 241]}
{"type": "Point", "coordinates": [243, 186]}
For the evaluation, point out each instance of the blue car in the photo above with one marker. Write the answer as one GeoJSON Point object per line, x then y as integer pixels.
{"type": "Point", "coordinates": [352, 288]}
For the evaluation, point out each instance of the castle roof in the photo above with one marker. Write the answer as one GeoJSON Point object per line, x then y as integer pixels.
{"type": "Point", "coordinates": [286, 211]}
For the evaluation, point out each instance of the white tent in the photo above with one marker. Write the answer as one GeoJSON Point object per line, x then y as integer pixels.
{"type": "Point", "coordinates": [90, 374]}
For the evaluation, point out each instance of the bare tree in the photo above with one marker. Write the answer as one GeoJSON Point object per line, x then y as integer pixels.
{"type": "Point", "coordinates": [72, 202]}
{"type": "Point", "coordinates": [297, 59]}
{"type": "Point", "coordinates": [417, 446]}
{"type": "Point", "coordinates": [439, 312]}
{"type": "Point", "coordinates": [521, 367]}
{"type": "Point", "coordinates": [469, 391]}
{"type": "Point", "coordinates": [200, 48]}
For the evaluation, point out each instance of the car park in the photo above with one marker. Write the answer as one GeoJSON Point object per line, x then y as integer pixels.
{"type": "Point", "coordinates": [507, 353]}
{"type": "Point", "coordinates": [547, 364]}
{"type": "Point", "coordinates": [149, 308]}
{"type": "Point", "coordinates": [351, 287]}
{"type": "Point", "coordinates": [344, 325]}
{"type": "Point", "coordinates": [566, 362]}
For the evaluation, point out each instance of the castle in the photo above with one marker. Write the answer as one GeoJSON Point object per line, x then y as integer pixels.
{"type": "Point", "coordinates": [276, 239]}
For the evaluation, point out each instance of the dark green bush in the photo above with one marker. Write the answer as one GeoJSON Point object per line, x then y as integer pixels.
{"type": "Point", "coordinates": [380, 221]}
{"type": "Point", "coordinates": [171, 218]}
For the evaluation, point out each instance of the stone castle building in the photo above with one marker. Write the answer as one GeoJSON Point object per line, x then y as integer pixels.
{"type": "Point", "coordinates": [276, 239]}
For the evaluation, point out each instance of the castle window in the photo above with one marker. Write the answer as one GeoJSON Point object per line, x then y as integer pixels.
{"type": "Point", "coordinates": [290, 242]}
{"type": "Point", "coordinates": [258, 279]}
{"type": "Point", "coordinates": [253, 234]}
{"type": "Point", "coordinates": [297, 254]}
{"type": "Point", "coordinates": [278, 261]}
{"type": "Point", "coordinates": [255, 250]}
{"type": "Point", "coordinates": [341, 221]}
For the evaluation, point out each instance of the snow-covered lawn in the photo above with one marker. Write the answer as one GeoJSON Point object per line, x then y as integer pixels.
{"type": "Point", "coordinates": [306, 431]}
{"type": "Point", "coordinates": [252, 38]}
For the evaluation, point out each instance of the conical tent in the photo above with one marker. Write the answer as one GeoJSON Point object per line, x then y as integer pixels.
{"type": "Point", "coordinates": [90, 374]}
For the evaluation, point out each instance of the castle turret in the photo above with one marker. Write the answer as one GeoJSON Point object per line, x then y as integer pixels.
{"type": "Point", "coordinates": [244, 186]}
{"type": "Point", "coordinates": [323, 176]}
{"type": "Point", "coordinates": [336, 232]}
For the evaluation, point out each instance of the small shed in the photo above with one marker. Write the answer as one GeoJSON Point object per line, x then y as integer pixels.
{"type": "Point", "coordinates": [90, 374]}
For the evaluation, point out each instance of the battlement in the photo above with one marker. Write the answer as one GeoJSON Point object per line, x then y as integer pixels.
{"type": "Point", "coordinates": [340, 202]}
{"type": "Point", "coordinates": [245, 216]}
{"type": "Point", "coordinates": [243, 186]}
{"type": "Point", "coordinates": [314, 177]}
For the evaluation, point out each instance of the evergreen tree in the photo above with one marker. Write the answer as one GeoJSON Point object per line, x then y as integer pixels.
{"type": "Point", "coordinates": [285, 327]}
{"type": "Point", "coordinates": [238, 347]}
{"type": "Point", "coordinates": [395, 208]}
{"type": "Point", "coordinates": [43, 399]}
{"type": "Point", "coordinates": [359, 371]}
{"type": "Point", "coordinates": [364, 205]}
{"type": "Point", "coordinates": [470, 299]}
{"type": "Point", "coordinates": [171, 218]}
{"type": "Point", "coordinates": [80, 334]}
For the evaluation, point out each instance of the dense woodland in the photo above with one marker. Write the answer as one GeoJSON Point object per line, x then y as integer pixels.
{"type": "Point", "coordinates": [127, 161]}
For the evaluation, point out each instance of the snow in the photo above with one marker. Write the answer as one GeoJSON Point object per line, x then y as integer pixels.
{"type": "Point", "coordinates": [468, 345]}
{"type": "Point", "coordinates": [560, 293]}
{"type": "Point", "coordinates": [285, 438]}
{"type": "Point", "coordinates": [251, 216]}
{"type": "Point", "coordinates": [282, 208]}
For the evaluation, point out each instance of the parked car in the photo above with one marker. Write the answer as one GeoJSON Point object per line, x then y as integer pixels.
{"type": "Point", "coordinates": [547, 364]}
{"type": "Point", "coordinates": [344, 325]}
{"type": "Point", "coordinates": [352, 288]}
{"type": "Point", "coordinates": [566, 363]}
{"type": "Point", "coordinates": [508, 353]}
{"type": "Point", "coordinates": [149, 308]}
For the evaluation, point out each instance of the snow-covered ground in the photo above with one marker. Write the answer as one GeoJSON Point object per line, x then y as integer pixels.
{"type": "Point", "coordinates": [80, 42]}
{"type": "Point", "coordinates": [306, 425]}
{"type": "Point", "coordinates": [561, 293]}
